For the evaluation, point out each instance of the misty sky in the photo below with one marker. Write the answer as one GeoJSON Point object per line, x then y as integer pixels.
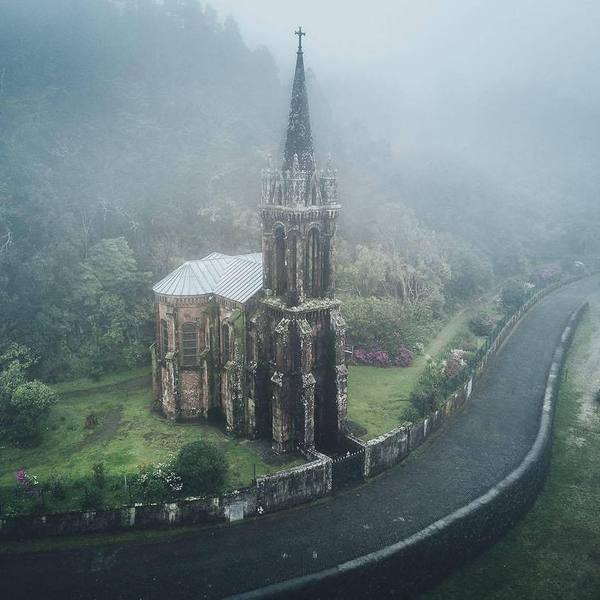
{"type": "Point", "coordinates": [510, 87]}
{"type": "Point", "coordinates": [551, 42]}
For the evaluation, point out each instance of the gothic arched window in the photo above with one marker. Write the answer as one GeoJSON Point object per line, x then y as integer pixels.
{"type": "Point", "coordinates": [189, 345]}
{"type": "Point", "coordinates": [326, 264]}
{"type": "Point", "coordinates": [312, 267]}
{"type": "Point", "coordinates": [280, 273]}
{"type": "Point", "coordinates": [225, 343]}
{"type": "Point", "coordinates": [313, 195]}
{"type": "Point", "coordinates": [164, 338]}
{"type": "Point", "coordinates": [292, 259]}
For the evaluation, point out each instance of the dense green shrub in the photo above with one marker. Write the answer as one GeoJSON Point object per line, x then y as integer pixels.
{"type": "Point", "coordinates": [202, 468]}
{"type": "Point", "coordinates": [99, 475]}
{"type": "Point", "coordinates": [425, 399]}
{"type": "Point", "coordinates": [470, 271]}
{"type": "Point", "coordinates": [28, 406]}
{"type": "Point", "coordinates": [385, 323]}
{"type": "Point", "coordinates": [23, 404]}
{"type": "Point", "coordinates": [93, 498]}
{"type": "Point", "coordinates": [411, 414]}
{"type": "Point", "coordinates": [513, 296]}
{"type": "Point", "coordinates": [429, 391]}
{"type": "Point", "coordinates": [57, 486]}
{"type": "Point", "coordinates": [463, 340]}
{"type": "Point", "coordinates": [150, 486]}
{"type": "Point", "coordinates": [482, 324]}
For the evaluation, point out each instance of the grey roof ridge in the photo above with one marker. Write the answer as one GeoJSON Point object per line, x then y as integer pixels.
{"type": "Point", "coordinates": [236, 278]}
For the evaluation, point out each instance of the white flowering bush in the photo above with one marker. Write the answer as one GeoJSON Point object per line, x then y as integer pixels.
{"type": "Point", "coordinates": [158, 481]}
{"type": "Point", "coordinates": [457, 359]}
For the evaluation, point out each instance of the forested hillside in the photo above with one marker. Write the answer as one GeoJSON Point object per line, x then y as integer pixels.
{"type": "Point", "coordinates": [132, 135]}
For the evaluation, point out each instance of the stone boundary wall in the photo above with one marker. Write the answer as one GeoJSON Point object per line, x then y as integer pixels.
{"type": "Point", "coordinates": [272, 492]}
{"type": "Point", "coordinates": [385, 451]}
{"type": "Point", "coordinates": [296, 486]}
{"type": "Point", "coordinates": [139, 516]}
{"type": "Point", "coordinates": [413, 565]}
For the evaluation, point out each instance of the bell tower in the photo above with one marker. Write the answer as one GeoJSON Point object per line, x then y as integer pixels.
{"type": "Point", "coordinates": [303, 333]}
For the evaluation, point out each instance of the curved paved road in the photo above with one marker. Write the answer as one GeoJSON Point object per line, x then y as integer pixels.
{"type": "Point", "coordinates": [476, 449]}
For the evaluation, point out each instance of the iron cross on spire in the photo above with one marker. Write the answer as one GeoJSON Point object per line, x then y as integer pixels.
{"type": "Point", "coordinates": [299, 33]}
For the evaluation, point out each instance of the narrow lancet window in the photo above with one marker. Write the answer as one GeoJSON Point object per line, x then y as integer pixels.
{"type": "Point", "coordinates": [225, 343]}
{"type": "Point", "coordinates": [280, 271]}
{"type": "Point", "coordinates": [189, 345]}
{"type": "Point", "coordinates": [312, 268]}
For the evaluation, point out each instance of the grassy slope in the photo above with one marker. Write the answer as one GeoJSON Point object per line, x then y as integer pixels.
{"type": "Point", "coordinates": [128, 434]}
{"type": "Point", "coordinates": [555, 551]}
{"type": "Point", "coordinates": [377, 396]}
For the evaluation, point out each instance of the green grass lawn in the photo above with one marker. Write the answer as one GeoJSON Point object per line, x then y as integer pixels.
{"type": "Point", "coordinates": [554, 552]}
{"type": "Point", "coordinates": [378, 396]}
{"type": "Point", "coordinates": [127, 434]}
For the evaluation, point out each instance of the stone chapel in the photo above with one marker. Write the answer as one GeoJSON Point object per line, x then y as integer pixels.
{"type": "Point", "coordinates": [258, 339]}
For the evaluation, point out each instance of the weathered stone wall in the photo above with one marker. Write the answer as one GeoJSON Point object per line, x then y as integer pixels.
{"type": "Point", "coordinates": [386, 450]}
{"type": "Point", "coordinates": [194, 390]}
{"type": "Point", "coordinates": [169, 388]}
{"type": "Point", "coordinates": [383, 452]}
{"type": "Point", "coordinates": [193, 399]}
{"type": "Point", "coordinates": [296, 486]}
{"type": "Point", "coordinates": [301, 484]}
{"type": "Point", "coordinates": [306, 386]}
{"type": "Point", "coordinates": [128, 517]}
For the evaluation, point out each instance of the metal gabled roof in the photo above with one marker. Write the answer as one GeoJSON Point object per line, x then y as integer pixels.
{"type": "Point", "coordinates": [241, 280]}
{"type": "Point", "coordinates": [235, 278]}
{"type": "Point", "coordinates": [214, 255]}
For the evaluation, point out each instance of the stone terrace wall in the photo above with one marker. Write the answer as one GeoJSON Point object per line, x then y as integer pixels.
{"type": "Point", "coordinates": [383, 452]}
{"type": "Point", "coordinates": [189, 511]}
{"type": "Point", "coordinates": [296, 486]}
{"type": "Point", "coordinates": [300, 484]}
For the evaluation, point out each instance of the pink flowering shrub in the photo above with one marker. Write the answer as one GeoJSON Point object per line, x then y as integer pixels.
{"type": "Point", "coordinates": [374, 358]}
{"type": "Point", "coordinates": [27, 483]}
{"type": "Point", "coordinates": [404, 358]}
{"type": "Point", "coordinates": [549, 273]}
{"type": "Point", "coordinates": [546, 275]}
{"type": "Point", "coordinates": [381, 358]}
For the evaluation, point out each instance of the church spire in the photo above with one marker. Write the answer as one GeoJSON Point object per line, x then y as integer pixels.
{"type": "Point", "coordinates": [299, 137]}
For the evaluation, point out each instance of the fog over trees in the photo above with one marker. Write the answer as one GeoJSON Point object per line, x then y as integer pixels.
{"type": "Point", "coordinates": [133, 132]}
{"type": "Point", "coordinates": [481, 104]}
